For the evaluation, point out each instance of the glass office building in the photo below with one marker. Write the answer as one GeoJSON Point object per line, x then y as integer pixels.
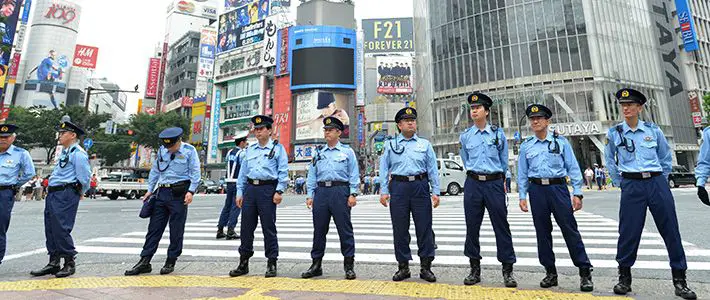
{"type": "Point", "coordinates": [570, 55]}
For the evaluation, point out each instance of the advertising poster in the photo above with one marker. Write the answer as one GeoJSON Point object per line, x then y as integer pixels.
{"type": "Point", "coordinates": [242, 36]}
{"type": "Point", "coordinates": [85, 56]}
{"type": "Point", "coordinates": [242, 26]}
{"type": "Point", "coordinates": [215, 123]}
{"type": "Point", "coordinates": [198, 119]}
{"type": "Point", "coordinates": [49, 77]}
{"type": "Point", "coordinates": [199, 8]}
{"type": "Point", "coordinates": [14, 65]}
{"type": "Point", "coordinates": [268, 56]}
{"type": "Point", "coordinates": [687, 25]}
{"type": "Point", "coordinates": [388, 35]}
{"type": "Point", "coordinates": [313, 107]}
{"type": "Point", "coordinates": [394, 75]}
{"type": "Point", "coordinates": [9, 14]}
{"type": "Point", "coordinates": [151, 85]}
{"type": "Point", "coordinates": [249, 10]}
{"type": "Point", "coordinates": [235, 63]}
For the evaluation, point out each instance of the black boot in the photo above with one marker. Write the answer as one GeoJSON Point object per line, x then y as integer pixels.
{"type": "Point", "coordinates": [425, 271]}
{"type": "Point", "coordinates": [231, 235]}
{"type": "Point", "coordinates": [243, 267]}
{"type": "Point", "coordinates": [508, 278]}
{"type": "Point", "coordinates": [68, 269]}
{"type": "Point", "coordinates": [349, 265]}
{"type": "Point", "coordinates": [220, 233]}
{"type": "Point", "coordinates": [624, 285]}
{"type": "Point", "coordinates": [51, 268]}
{"type": "Point", "coordinates": [475, 275]}
{"type": "Point", "coordinates": [314, 270]}
{"type": "Point", "coordinates": [270, 268]}
{"type": "Point", "coordinates": [585, 279]}
{"type": "Point", "coordinates": [169, 266]}
{"type": "Point", "coordinates": [403, 272]}
{"type": "Point", "coordinates": [681, 287]}
{"type": "Point", "coordinates": [550, 279]}
{"type": "Point", "coordinates": [143, 266]}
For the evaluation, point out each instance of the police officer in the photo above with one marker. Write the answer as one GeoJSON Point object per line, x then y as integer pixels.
{"type": "Point", "coordinates": [68, 182]}
{"type": "Point", "coordinates": [484, 151]}
{"type": "Point", "coordinates": [407, 169]}
{"type": "Point", "coordinates": [230, 211]}
{"type": "Point", "coordinates": [262, 179]}
{"type": "Point", "coordinates": [333, 181]}
{"type": "Point", "coordinates": [643, 159]}
{"type": "Point", "coordinates": [544, 162]}
{"type": "Point", "coordinates": [17, 168]}
{"type": "Point", "coordinates": [173, 179]}
{"type": "Point", "coordinates": [702, 170]}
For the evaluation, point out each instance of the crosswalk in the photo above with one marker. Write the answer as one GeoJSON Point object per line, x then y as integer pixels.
{"type": "Point", "coordinates": [373, 240]}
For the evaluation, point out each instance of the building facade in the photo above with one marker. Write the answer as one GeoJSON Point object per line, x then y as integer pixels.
{"type": "Point", "coordinates": [573, 63]}
{"type": "Point", "coordinates": [181, 73]}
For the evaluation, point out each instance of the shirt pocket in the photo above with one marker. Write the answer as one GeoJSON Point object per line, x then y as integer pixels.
{"type": "Point", "coordinates": [648, 150]}
{"type": "Point", "coordinates": [556, 160]}
{"type": "Point", "coordinates": [418, 154]}
{"type": "Point", "coordinates": [492, 148]}
{"type": "Point", "coordinates": [473, 150]}
{"type": "Point", "coordinates": [534, 159]}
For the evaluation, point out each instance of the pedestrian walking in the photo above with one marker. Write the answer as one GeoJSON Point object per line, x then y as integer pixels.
{"type": "Point", "coordinates": [407, 171]}
{"type": "Point", "coordinates": [644, 160]}
{"type": "Point", "coordinates": [67, 185]}
{"type": "Point", "coordinates": [17, 168]}
{"type": "Point", "coordinates": [484, 152]}
{"type": "Point", "coordinates": [262, 179]}
{"type": "Point", "coordinates": [546, 159]}
{"type": "Point", "coordinates": [508, 179]}
{"type": "Point", "coordinates": [333, 181]}
{"type": "Point", "coordinates": [172, 183]}
{"type": "Point", "coordinates": [589, 176]}
{"type": "Point", "coordinates": [93, 185]}
{"type": "Point", "coordinates": [230, 210]}
{"type": "Point", "coordinates": [599, 176]}
{"type": "Point", "coordinates": [367, 182]}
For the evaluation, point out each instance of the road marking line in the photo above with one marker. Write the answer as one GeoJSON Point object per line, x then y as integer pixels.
{"type": "Point", "coordinates": [24, 254]}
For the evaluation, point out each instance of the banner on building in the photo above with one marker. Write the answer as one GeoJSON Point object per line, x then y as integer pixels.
{"type": "Point", "coordinates": [20, 38]}
{"type": "Point", "coordinates": [208, 41]}
{"type": "Point", "coordinates": [9, 14]}
{"type": "Point", "coordinates": [151, 85]}
{"type": "Point", "coordinates": [313, 107]}
{"type": "Point", "coordinates": [197, 8]}
{"type": "Point", "coordinates": [85, 56]}
{"type": "Point", "coordinates": [199, 106]}
{"type": "Point", "coordinates": [388, 35]}
{"type": "Point", "coordinates": [695, 110]}
{"type": "Point", "coordinates": [687, 25]}
{"type": "Point", "coordinates": [394, 75]}
{"type": "Point", "coordinates": [215, 123]}
{"type": "Point", "coordinates": [268, 52]}
{"type": "Point", "coordinates": [26, 12]}
{"type": "Point", "coordinates": [282, 112]}
{"type": "Point", "coordinates": [282, 52]}
{"type": "Point", "coordinates": [14, 65]}
{"type": "Point", "coordinates": [247, 11]}
{"type": "Point", "coordinates": [304, 152]}
{"type": "Point", "coordinates": [48, 78]}
{"type": "Point", "coordinates": [235, 63]}
{"type": "Point", "coordinates": [234, 38]}
{"type": "Point", "coordinates": [360, 92]}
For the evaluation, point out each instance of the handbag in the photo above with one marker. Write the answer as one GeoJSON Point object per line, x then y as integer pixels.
{"type": "Point", "coordinates": [148, 205]}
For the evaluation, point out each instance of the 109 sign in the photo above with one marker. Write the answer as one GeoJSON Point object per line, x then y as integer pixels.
{"type": "Point", "coordinates": [63, 13]}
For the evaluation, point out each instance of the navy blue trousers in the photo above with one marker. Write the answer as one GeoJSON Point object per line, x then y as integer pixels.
{"type": "Point", "coordinates": [411, 198]}
{"type": "Point", "coordinates": [258, 205]}
{"type": "Point", "coordinates": [168, 210]}
{"type": "Point", "coordinates": [638, 195]}
{"type": "Point", "coordinates": [555, 199]}
{"type": "Point", "coordinates": [59, 216]}
{"type": "Point", "coordinates": [7, 201]}
{"type": "Point", "coordinates": [230, 211]}
{"type": "Point", "coordinates": [327, 202]}
{"type": "Point", "coordinates": [478, 197]}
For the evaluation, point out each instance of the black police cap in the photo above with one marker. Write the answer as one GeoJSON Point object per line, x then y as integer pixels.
{"type": "Point", "coordinates": [333, 122]}
{"type": "Point", "coordinates": [170, 136]}
{"type": "Point", "coordinates": [261, 121]}
{"type": "Point", "coordinates": [241, 137]}
{"type": "Point", "coordinates": [405, 113]}
{"type": "Point", "coordinates": [538, 110]}
{"type": "Point", "coordinates": [71, 127]}
{"type": "Point", "coordinates": [7, 129]}
{"type": "Point", "coordinates": [477, 98]}
{"type": "Point", "coordinates": [630, 96]}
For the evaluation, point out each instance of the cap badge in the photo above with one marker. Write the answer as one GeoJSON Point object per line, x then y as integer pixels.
{"type": "Point", "coordinates": [257, 120]}
{"type": "Point", "coordinates": [167, 141]}
{"type": "Point", "coordinates": [4, 129]}
{"type": "Point", "coordinates": [327, 121]}
{"type": "Point", "coordinates": [625, 93]}
{"type": "Point", "coordinates": [64, 125]}
{"type": "Point", "coordinates": [534, 109]}
{"type": "Point", "coordinates": [408, 111]}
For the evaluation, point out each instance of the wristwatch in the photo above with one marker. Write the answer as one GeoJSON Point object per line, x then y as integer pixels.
{"type": "Point", "coordinates": [280, 192]}
{"type": "Point", "coordinates": [579, 196]}
{"type": "Point", "coordinates": [353, 194]}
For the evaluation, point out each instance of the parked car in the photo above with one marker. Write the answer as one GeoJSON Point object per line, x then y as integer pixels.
{"type": "Point", "coordinates": [452, 176]}
{"type": "Point", "coordinates": [680, 176]}
{"type": "Point", "coordinates": [209, 187]}
{"type": "Point", "coordinates": [131, 183]}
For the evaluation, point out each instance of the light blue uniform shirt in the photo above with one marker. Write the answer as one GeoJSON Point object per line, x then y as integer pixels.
{"type": "Point", "coordinates": [652, 153]}
{"type": "Point", "coordinates": [16, 167]}
{"type": "Point", "coordinates": [258, 165]}
{"type": "Point", "coordinates": [703, 169]}
{"type": "Point", "coordinates": [77, 168]}
{"type": "Point", "coordinates": [185, 166]}
{"type": "Point", "coordinates": [335, 164]}
{"type": "Point", "coordinates": [536, 161]}
{"type": "Point", "coordinates": [480, 153]}
{"type": "Point", "coordinates": [418, 157]}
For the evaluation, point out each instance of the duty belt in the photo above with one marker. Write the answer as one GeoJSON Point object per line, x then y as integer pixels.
{"type": "Point", "coordinates": [57, 188]}
{"type": "Point", "coordinates": [548, 181]}
{"type": "Point", "coordinates": [484, 177]}
{"type": "Point", "coordinates": [7, 187]}
{"type": "Point", "coordinates": [258, 182]}
{"type": "Point", "coordinates": [174, 185]}
{"type": "Point", "coordinates": [410, 178]}
{"type": "Point", "coordinates": [640, 175]}
{"type": "Point", "coordinates": [332, 183]}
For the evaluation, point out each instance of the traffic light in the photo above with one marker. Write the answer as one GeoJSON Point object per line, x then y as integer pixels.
{"type": "Point", "coordinates": [124, 131]}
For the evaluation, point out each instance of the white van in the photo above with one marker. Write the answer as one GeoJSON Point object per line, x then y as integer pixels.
{"type": "Point", "coordinates": [452, 176]}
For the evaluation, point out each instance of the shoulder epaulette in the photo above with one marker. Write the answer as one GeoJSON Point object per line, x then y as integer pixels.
{"type": "Point", "coordinates": [466, 130]}
{"type": "Point", "coordinates": [18, 149]}
{"type": "Point", "coordinates": [651, 125]}
{"type": "Point", "coordinates": [530, 138]}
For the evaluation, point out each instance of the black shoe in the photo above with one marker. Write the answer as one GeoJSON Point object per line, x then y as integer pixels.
{"type": "Point", "coordinates": [68, 269]}
{"type": "Point", "coordinates": [550, 279]}
{"type": "Point", "coordinates": [220, 233]}
{"type": "Point", "coordinates": [475, 275]}
{"type": "Point", "coordinates": [681, 286]}
{"type": "Point", "coordinates": [403, 272]}
{"type": "Point", "coordinates": [51, 268]}
{"type": "Point", "coordinates": [508, 278]}
{"type": "Point", "coordinates": [425, 271]}
{"type": "Point", "coordinates": [243, 267]}
{"type": "Point", "coordinates": [143, 266]}
{"type": "Point", "coordinates": [624, 285]}
{"type": "Point", "coordinates": [585, 279]}
{"type": "Point", "coordinates": [314, 270]}
{"type": "Point", "coordinates": [349, 265]}
{"type": "Point", "coordinates": [169, 266]}
{"type": "Point", "coordinates": [231, 235]}
{"type": "Point", "coordinates": [270, 268]}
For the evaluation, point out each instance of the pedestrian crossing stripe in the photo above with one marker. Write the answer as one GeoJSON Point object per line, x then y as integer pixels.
{"type": "Point", "coordinates": [373, 240]}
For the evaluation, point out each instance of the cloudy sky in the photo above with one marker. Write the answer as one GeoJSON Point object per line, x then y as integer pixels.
{"type": "Point", "coordinates": [127, 32]}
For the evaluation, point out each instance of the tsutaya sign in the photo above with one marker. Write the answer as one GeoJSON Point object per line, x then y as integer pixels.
{"type": "Point", "coordinates": [582, 128]}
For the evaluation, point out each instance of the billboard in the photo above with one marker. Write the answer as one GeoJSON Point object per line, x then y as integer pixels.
{"type": "Point", "coordinates": [235, 63]}
{"type": "Point", "coordinates": [695, 110]}
{"type": "Point", "coordinates": [322, 57]}
{"type": "Point", "coordinates": [394, 75]}
{"type": "Point", "coordinates": [282, 111]}
{"type": "Point", "coordinates": [14, 65]}
{"type": "Point", "coordinates": [388, 35]}
{"type": "Point", "coordinates": [199, 106]}
{"type": "Point", "coordinates": [85, 56]}
{"type": "Point", "coordinates": [282, 52]}
{"type": "Point", "coordinates": [230, 39]}
{"type": "Point", "coordinates": [254, 9]}
{"type": "Point", "coordinates": [205, 66]}
{"type": "Point", "coordinates": [60, 13]}
{"type": "Point", "coordinates": [313, 107]}
{"type": "Point", "coordinates": [49, 76]}
{"type": "Point", "coordinates": [687, 25]}
{"type": "Point", "coordinates": [9, 13]}
{"type": "Point", "coordinates": [198, 8]}
{"type": "Point", "coordinates": [268, 52]}
{"type": "Point", "coordinates": [360, 73]}
{"type": "Point", "coordinates": [151, 85]}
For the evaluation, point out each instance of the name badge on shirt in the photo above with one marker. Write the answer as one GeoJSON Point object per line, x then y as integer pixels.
{"type": "Point", "coordinates": [648, 138]}
{"type": "Point", "coordinates": [8, 163]}
{"type": "Point", "coordinates": [180, 156]}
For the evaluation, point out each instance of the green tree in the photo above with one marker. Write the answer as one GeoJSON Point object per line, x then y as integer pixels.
{"type": "Point", "coordinates": [147, 127]}
{"type": "Point", "coordinates": [706, 105]}
{"type": "Point", "coordinates": [112, 148]}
